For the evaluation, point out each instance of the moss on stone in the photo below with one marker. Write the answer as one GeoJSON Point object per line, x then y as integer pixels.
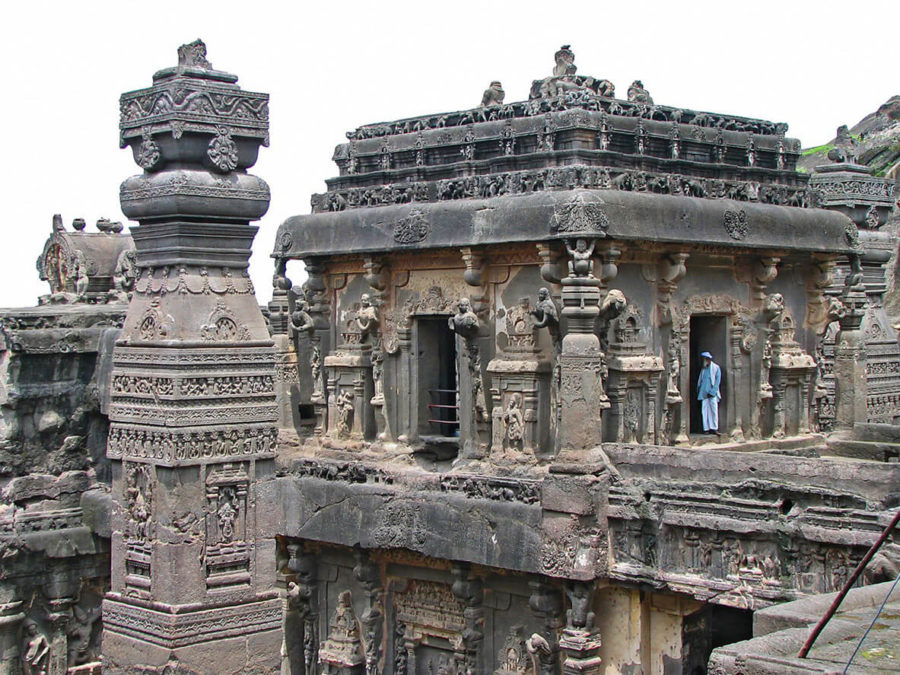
{"type": "Point", "coordinates": [819, 149]}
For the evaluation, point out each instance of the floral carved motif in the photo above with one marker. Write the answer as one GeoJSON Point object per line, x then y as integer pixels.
{"type": "Point", "coordinates": [411, 229]}
{"type": "Point", "coordinates": [223, 150]}
{"type": "Point", "coordinates": [736, 224]}
{"type": "Point", "coordinates": [579, 216]}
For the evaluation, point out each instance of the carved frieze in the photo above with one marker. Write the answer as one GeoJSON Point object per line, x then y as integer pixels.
{"type": "Point", "coordinates": [176, 446]}
{"type": "Point", "coordinates": [570, 177]}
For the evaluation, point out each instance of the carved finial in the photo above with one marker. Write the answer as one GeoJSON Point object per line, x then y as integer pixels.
{"type": "Point", "coordinates": [565, 62]}
{"type": "Point", "coordinates": [493, 95]}
{"type": "Point", "coordinates": [194, 55]}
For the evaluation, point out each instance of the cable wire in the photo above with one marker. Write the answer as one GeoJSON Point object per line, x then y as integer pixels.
{"type": "Point", "coordinates": [866, 634]}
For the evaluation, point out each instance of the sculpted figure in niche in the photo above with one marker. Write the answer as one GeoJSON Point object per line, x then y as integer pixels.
{"type": "Point", "coordinates": [546, 315]}
{"type": "Point", "coordinates": [37, 651]}
{"type": "Point", "coordinates": [315, 367]}
{"type": "Point", "coordinates": [81, 275]}
{"type": "Point", "coordinates": [123, 278]}
{"type": "Point", "coordinates": [493, 95]}
{"type": "Point", "coordinates": [79, 632]}
{"type": "Point", "coordinates": [514, 420]}
{"type": "Point", "coordinates": [366, 317]}
{"type": "Point", "coordinates": [345, 410]}
{"type": "Point", "coordinates": [581, 264]}
{"type": "Point", "coordinates": [227, 513]}
{"type": "Point", "coordinates": [301, 321]}
{"type": "Point", "coordinates": [378, 373]}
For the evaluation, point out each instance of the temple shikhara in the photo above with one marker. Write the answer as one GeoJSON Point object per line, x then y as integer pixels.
{"type": "Point", "coordinates": [470, 441]}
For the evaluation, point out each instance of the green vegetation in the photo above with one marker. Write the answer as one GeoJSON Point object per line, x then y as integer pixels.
{"type": "Point", "coordinates": [819, 149]}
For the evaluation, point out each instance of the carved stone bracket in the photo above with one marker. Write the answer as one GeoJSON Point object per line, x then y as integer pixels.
{"type": "Point", "coordinates": [672, 269]}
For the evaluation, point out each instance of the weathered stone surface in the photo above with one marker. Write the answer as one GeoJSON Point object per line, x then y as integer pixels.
{"type": "Point", "coordinates": [393, 467]}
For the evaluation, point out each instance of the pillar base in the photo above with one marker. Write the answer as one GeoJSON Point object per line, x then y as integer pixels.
{"type": "Point", "coordinates": [211, 641]}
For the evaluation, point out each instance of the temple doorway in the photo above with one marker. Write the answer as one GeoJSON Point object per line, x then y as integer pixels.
{"type": "Point", "coordinates": [708, 334]}
{"type": "Point", "coordinates": [438, 383]}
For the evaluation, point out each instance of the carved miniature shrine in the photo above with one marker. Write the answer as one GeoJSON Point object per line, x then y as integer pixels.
{"type": "Point", "coordinates": [470, 441]}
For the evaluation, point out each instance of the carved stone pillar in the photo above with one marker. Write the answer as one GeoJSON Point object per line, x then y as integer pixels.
{"type": "Point", "coordinates": [850, 358]}
{"type": "Point", "coordinates": [580, 642]}
{"type": "Point", "coordinates": [473, 414]}
{"type": "Point", "coordinates": [378, 276]}
{"type": "Point", "coordinates": [581, 363]}
{"type": "Point", "coordinates": [11, 617]}
{"type": "Point", "coordinates": [406, 412]}
{"type": "Point", "coordinates": [315, 291]}
{"type": "Point", "coordinates": [188, 529]}
{"type": "Point", "coordinates": [300, 619]}
{"type": "Point", "coordinates": [59, 615]}
{"type": "Point", "coordinates": [736, 381]}
{"type": "Point", "coordinates": [546, 603]}
{"type": "Point", "coordinates": [470, 592]}
{"type": "Point", "coordinates": [372, 618]}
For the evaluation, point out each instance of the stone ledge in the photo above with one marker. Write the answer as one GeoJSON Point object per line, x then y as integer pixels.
{"type": "Point", "coordinates": [178, 629]}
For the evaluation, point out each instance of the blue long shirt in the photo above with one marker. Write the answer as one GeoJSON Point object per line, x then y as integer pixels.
{"type": "Point", "coordinates": [710, 379]}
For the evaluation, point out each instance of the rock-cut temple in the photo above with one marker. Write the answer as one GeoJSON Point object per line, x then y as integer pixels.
{"type": "Point", "coordinates": [470, 441]}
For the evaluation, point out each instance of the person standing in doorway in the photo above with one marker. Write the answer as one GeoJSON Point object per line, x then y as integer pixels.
{"type": "Point", "coordinates": [708, 393]}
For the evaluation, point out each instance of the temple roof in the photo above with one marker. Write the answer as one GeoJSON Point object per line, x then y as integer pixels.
{"type": "Point", "coordinates": [548, 215]}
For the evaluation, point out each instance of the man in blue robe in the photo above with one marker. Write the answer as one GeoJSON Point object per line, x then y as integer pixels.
{"type": "Point", "coordinates": [708, 393]}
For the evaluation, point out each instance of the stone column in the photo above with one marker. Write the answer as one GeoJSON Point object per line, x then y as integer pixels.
{"type": "Point", "coordinates": [58, 616]}
{"type": "Point", "coordinates": [193, 558]}
{"type": "Point", "coordinates": [11, 617]}
{"type": "Point", "coordinates": [546, 603]}
{"type": "Point", "coordinates": [850, 386]}
{"type": "Point", "coordinates": [372, 619]}
{"type": "Point", "coordinates": [469, 590]}
{"type": "Point", "coordinates": [319, 310]}
{"type": "Point", "coordinates": [581, 363]}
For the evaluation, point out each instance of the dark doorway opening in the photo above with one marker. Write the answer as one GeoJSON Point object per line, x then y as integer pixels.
{"type": "Point", "coordinates": [708, 628]}
{"type": "Point", "coordinates": [708, 334]}
{"type": "Point", "coordinates": [438, 383]}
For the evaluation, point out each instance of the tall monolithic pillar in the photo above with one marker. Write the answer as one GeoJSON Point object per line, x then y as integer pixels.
{"type": "Point", "coordinates": [193, 412]}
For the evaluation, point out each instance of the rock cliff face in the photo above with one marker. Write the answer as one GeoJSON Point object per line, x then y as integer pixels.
{"type": "Point", "coordinates": [874, 141]}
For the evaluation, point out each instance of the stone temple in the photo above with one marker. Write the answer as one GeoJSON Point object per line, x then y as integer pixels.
{"type": "Point", "coordinates": [470, 442]}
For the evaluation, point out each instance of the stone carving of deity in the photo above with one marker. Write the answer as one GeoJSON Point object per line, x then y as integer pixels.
{"type": "Point", "coordinates": [546, 315]}
{"type": "Point", "coordinates": [581, 264]}
{"type": "Point", "coordinates": [514, 420]}
{"type": "Point", "coordinates": [37, 651]}
{"type": "Point", "coordinates": [366, 317]}
{"type": "Point", "coordinates": [301, 321]}
{"type": "Point", "coordinates": [315, 366]}
{"type": "Point", "coordinates": [345, 411]}
{"type": "Point", "coordinates": [227, 513]}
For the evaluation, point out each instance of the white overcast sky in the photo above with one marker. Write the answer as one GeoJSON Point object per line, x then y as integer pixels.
{"type": "Point", "coordinates": [331, 66]}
